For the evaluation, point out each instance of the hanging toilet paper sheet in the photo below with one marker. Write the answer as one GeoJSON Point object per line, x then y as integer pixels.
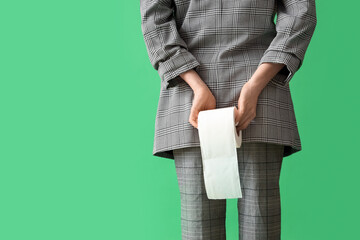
{"type": "Point", "coordinates": [219, 142]}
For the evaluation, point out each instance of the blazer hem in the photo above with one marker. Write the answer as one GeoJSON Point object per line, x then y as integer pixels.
{"type": "Point", "coordinates": [289, 148]}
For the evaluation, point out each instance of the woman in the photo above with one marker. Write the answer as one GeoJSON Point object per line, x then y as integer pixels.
{"type": "Point", "coordinates": [221, 53]}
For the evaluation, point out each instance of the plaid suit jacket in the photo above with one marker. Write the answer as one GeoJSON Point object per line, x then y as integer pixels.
{"type": "Point", "coordinates": [225, 41]}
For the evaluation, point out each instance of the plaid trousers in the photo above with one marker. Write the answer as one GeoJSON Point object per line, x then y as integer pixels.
{"type": "Point", "coordinates": [259, 211]}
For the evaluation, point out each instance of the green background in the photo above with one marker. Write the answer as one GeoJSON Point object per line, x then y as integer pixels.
{"type": "Point", "coordinates": [78, 99]}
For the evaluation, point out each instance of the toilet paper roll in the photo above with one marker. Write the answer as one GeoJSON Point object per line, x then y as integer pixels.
{"type": "Point", "coordinates": [219, 142]}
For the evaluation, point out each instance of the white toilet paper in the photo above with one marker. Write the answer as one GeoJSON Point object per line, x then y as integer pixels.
{"type": "Point", "coordinates": [218, 143]}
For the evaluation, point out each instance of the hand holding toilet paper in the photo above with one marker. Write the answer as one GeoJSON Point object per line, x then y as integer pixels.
{"type": "Point", "coordinates": [219, 142]}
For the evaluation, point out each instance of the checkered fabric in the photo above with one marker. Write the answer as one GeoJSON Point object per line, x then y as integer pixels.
{"type": "Point", "coordinates": [225, 41]}
{"type": "Point", "coordinates": [259, 209]}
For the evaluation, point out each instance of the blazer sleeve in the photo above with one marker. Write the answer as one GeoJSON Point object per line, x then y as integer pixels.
{"type": "Point", "coordinates": [167, 51]}
{"type": "Point", "coordinates": [295, 25]}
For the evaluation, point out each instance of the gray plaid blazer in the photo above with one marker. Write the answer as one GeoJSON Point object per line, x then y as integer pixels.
{"type": "Point", "coordinates": [225, 41]}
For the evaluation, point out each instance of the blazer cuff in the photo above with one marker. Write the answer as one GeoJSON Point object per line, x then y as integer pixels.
{"type": "Point", "coordinates": [171, 69]}
{"type": "Point", "coordinates": [292, 64]}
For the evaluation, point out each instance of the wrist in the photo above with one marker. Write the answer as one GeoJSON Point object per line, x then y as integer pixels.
{"type": "Point", "coordinates": [194, 81]}
{"type": "Point", "coordinates": [256, 85]}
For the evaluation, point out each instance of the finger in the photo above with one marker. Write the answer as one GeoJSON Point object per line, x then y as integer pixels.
{"type": "Point", "coordinates": [242, 117]}
{"type": "Point", "coordinates": [194, 117]}
{"type": "Point", "coordinates": [245, 124]}
{"type": "Point", "coordinates": [192, 121]}
{"type": "Point", "coordinates": [244, 121]}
